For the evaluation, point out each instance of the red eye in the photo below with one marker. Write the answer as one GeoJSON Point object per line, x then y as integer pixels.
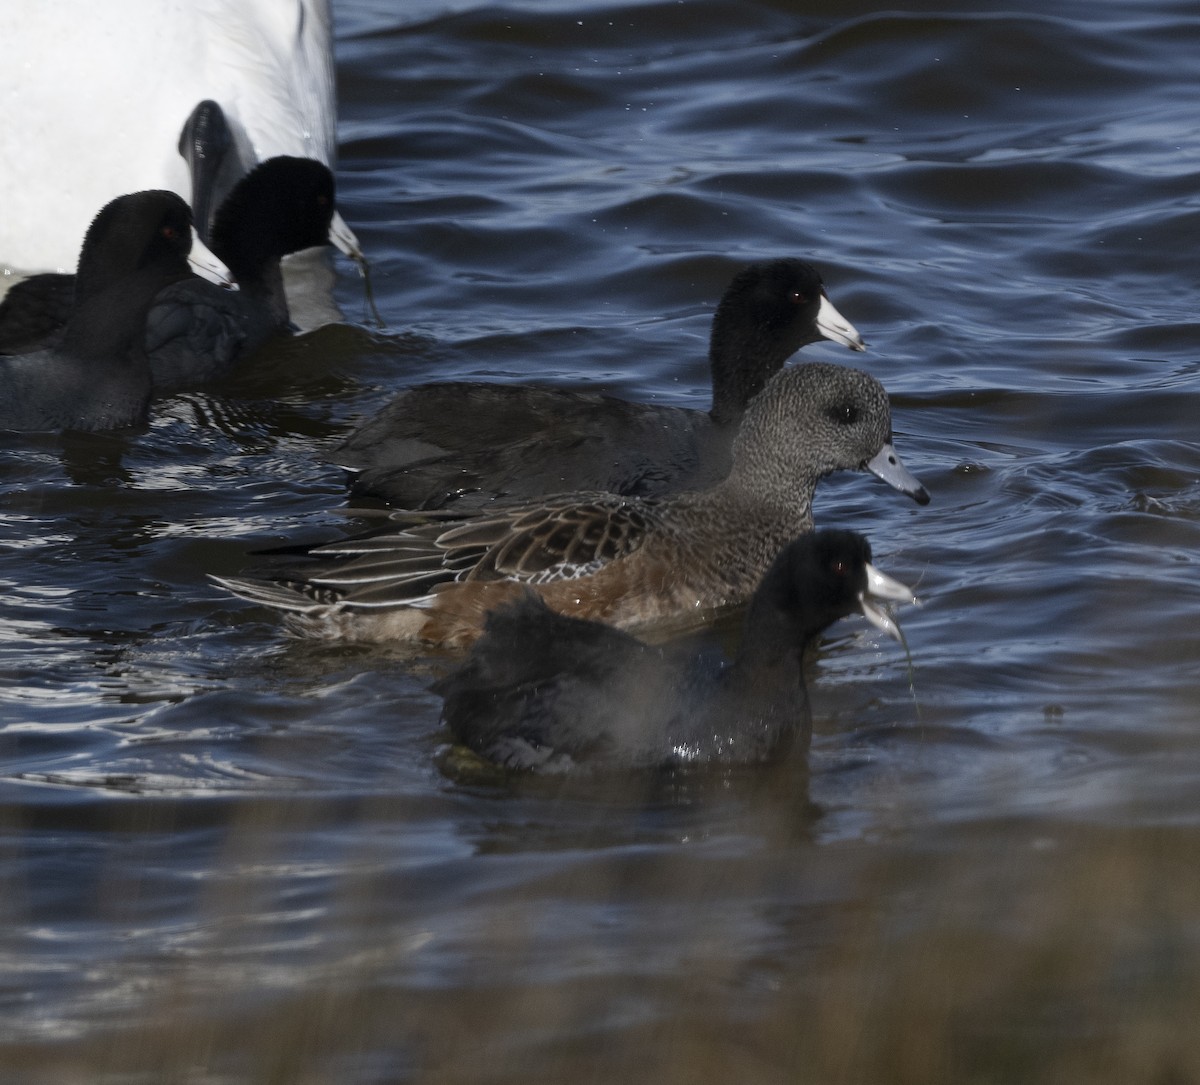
{"type": "Point", "coordinates": [170, 233]}
{"type": "Point", "coordinates": [798, 298]}
{"type": "Point", "coordinates": [840, 568]}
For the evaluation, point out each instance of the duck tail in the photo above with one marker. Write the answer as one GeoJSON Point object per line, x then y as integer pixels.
{"type": "Point", "coordinates": [278, 596]}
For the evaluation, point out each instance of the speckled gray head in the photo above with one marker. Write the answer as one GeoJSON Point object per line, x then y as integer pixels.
{"type": "Point", "coordinates": [811, 420]}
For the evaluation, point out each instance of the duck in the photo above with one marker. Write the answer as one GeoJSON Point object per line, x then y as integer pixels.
{"type": "Point", "coordinates": [430, 578]}
{"type": "Point", "coordinates": [197, 332]}
{"type": "Point", "coordinates": [94, 111]}
{"type": "Point", "coordinates": [97, 376]}
{"type": "Point", "coordinates": [543, 692]}
{"type": "Point", "coordinates": [470, 443]}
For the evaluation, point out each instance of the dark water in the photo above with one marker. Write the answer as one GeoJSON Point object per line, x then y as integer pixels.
{"type": "Point", "coordinates": [229, 856]}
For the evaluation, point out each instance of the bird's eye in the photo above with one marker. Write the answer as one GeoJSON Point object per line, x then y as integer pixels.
{"type": "Point", "coordinates": [170, 233]}
{"type": "Point", "coordinates": [844, 414]}
{"type": "Point", "coordinates": [798, 298]}
{"type": "Point", "coordinates": [840, 568]}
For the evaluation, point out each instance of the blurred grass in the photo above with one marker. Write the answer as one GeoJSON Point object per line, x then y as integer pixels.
{"type": "Point", "coordinates": [1005, 953]}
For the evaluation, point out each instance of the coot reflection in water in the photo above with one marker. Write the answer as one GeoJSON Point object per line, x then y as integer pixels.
{"type": "Point", "coordinates": [233, 855]}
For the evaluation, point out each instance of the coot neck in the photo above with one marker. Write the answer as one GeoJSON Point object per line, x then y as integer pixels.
{"type": "Point", "coordinates": [741, 361]}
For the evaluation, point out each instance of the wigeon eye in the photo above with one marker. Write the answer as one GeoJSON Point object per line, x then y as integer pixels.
{"type": "Point", "coordinates": [844, 414]}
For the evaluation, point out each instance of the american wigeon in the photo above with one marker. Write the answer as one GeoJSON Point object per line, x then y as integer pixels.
{"type": "Point", "coordinates": [629, 561]}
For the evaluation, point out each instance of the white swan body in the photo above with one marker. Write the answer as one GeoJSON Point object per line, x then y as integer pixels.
{"type": "Point", "coordinates": [95, 96]}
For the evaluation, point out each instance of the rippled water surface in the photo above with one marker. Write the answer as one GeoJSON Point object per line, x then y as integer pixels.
{"type": "Point", "coordinates": [231, 856]}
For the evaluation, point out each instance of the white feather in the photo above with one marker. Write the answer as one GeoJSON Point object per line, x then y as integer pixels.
{"type": "Point", "coordinates": [96, 94]}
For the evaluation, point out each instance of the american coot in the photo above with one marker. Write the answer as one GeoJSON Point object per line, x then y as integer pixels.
{"type": "Point", "coordinates": [208, 146]}
{"type": "Point", "coordinates": [197, 332]}
{"type": "Point", "coordinates": [543, 691]}
{"type": "Point", "coordinates": [94, 104]}
{"type": "Point", "coordinates": [471, 442]}
{"type": "Point", "coordinates": [625, 560]}
{"type": "Point", "coordinates": [34, 312]}
{"type": "Point", "coordinates": [97, 376]}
